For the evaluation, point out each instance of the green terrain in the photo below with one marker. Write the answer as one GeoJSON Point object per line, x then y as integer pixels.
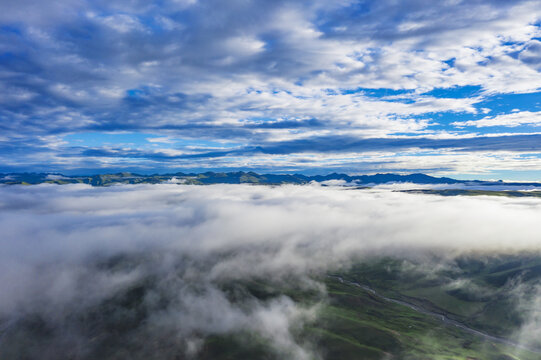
{"type": "Point", "coordinates": [464, 192]}
{"type": "Point", "coordinates": [478, 292]}
{"type": "Point", "coordinates": [385, 308]}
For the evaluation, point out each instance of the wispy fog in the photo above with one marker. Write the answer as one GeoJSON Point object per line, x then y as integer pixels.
{"type": "Point", "coordinates": [67, 249]}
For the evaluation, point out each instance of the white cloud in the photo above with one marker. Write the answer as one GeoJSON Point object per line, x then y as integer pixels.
{"type": "Point", "coordinates": [514, 119]}
{"type": "Point", "coordinates": [68, 223]}
{"type": "Point", "coordinates": [161, 139]}
{"type": "Point", "coordinates": [185, 241]}
{"type": "Point", "coordinates": [209, 70]}
{"type": "Point", "coordinates": [201, 58]}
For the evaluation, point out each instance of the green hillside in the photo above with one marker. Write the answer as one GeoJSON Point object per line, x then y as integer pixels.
{"type": "Point", "coordinates": [385, 308]}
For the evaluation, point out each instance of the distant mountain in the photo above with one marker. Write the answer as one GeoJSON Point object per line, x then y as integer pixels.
{"type": "Point", "coordinates": [239, 177]}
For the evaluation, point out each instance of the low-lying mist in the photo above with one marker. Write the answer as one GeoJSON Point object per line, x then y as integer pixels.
{"type": "Point", "coordinates": [176, 258]}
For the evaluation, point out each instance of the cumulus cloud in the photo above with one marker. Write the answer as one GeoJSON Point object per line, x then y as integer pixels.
{"type": "Point", "coordinates": [73, 249]}
{"type": "Point", "coordinates": [223, 71]}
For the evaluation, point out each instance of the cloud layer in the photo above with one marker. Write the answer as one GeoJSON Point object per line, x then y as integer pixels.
{"type": "Point", "coordinates": [67, 249]}
{"type": "Point", "coordinates": [209, 75]}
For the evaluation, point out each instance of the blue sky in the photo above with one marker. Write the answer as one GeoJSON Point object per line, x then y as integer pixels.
{"type": "Point", "coordinates": [442, 87]}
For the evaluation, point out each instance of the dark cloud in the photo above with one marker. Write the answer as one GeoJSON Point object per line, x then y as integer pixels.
{"type": "Point", "coordinates": [532, 54]}
{"type": "Point", "coordinates": [348, 143]}
{"type": "Point", "coordinates": [337, 144]}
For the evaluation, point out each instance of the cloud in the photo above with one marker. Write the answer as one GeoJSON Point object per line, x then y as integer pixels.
{"type": "Point", "coordinates": [513, 119]}
{"type": "Point", "coordinates": [350, 143]}
{"type": "Point", "coordinates": [164, 140]}
{"type": "Point", "coordinates": [528, 297]}
{"type": "Point", "coordinates": [71, 249]}
{"type": "Point", "coordinates": [532, 54]}
{"type": "Point", "coordinates": [255, 71]}
{"type": "Point", "coordinates": [445, 154]}
{"type": "Point", "coordinates": [341, 144]}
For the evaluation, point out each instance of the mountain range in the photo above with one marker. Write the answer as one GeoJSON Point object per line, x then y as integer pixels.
{"type": "Point", "coordinates": [239, 177]}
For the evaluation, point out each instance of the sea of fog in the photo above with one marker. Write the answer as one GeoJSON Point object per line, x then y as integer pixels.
{"type": "Point", "coordinates": [55, 239]}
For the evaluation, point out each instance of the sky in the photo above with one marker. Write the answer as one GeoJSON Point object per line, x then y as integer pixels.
{"type": "Point", "coordinates": [447, 88]}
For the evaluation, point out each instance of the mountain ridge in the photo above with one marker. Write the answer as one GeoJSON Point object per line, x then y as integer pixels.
{"type": "Point", "coordinates": [238, 177]}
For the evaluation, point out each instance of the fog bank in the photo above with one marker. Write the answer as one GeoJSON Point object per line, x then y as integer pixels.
{"type": "Point", "coordinates": [66, 249]}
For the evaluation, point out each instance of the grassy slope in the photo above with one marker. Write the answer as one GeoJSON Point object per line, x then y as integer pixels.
{"type": "Point", "coordinates": [354, 324]}
{"type": "Point", "coordinates": [351, 323]}
{"type": "Point", "coordinates": [360, 317]}
{"type": "Point", "coordinates": [490, 307]}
